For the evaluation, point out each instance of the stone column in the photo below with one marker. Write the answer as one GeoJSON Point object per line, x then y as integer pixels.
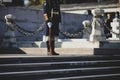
{"type": "Point", "coordinates": [97, 33]}
{"type": "Point", "coordinates": [115, 29]}
{"type": "Point", "coordinates": [9, 39]}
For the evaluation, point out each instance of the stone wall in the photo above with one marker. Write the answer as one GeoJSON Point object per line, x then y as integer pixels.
{"type": "Point", "coordinates": [31, 19]}
{"type": "Point", "coordinates": [72, 22]}
{"type": "Point", "coordinates": [28, 19]}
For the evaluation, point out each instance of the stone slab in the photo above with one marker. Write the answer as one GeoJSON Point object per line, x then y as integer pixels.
{"type": "Point", "coordinates": [61, 51]}
{"type": "Point", "coordinates": [43, 51]}
{"type": "Point", "coordinates": [62, 43]}
{"type": "Point", "coordinates": [106, 51]}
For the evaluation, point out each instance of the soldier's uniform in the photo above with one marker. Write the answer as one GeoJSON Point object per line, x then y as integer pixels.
{"type": "Point", "coordinates": [52, 14]}
{"type": "Point", "coordinates": [108, 21]}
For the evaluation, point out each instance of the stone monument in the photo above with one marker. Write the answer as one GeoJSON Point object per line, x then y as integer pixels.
{"type": "Point", "coordinates": [97, 33]}
{"type": "Point", "coordinates": [115, 29]}
{"type": "Point", "coordinates": [9, 39]}
{"type": "Point", "coordinates": [87, 29]}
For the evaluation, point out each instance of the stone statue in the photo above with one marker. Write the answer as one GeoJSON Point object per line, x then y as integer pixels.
{"type": "Point", "coordinates": [87, 29]}
{"type": "Point", "coordinates": [97, 33]}
{"type": "Point", "coordinates": [115, 29]}
{"type": "Point", "coordinates": [9, 39]}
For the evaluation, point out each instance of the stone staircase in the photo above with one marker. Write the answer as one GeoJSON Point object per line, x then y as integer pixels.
{"type": "Point", "coordinates": [95, 67]}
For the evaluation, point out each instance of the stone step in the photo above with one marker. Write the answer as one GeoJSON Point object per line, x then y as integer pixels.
{"type": "Point", "coordinates": [61, 51]}
{"type": "Point", "coordinates": [72, 43]}
{"type": "Point", "coordinates": [43, 59]}
{"type": "Point", "coordinates": [43, 74]}
{"type": "Point", "coordinates": [91, 77]}
{"type": "Point", "coordinates": [106, 51]}
{"type": "Point", "coordinates": [43, 51]}
{"type": "Point", "coordinates": [57, 65]}
{"type": "Point", "coordinates": [61, 43]}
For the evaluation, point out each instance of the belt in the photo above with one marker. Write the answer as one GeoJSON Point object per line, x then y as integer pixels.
{"type": "Point", "coordinates": [55, 12]}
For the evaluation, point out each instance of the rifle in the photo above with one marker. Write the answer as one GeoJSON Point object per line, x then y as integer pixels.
{"type": "Point", "coordinates": [50, 38]}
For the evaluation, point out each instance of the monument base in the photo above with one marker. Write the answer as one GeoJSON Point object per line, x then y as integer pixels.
{"type": "Point", "coordinates": [67, 47]}
{"type": "Point", "coordinates": [61, 43]}
{"type": "Point", "coordinates": [106, 51]}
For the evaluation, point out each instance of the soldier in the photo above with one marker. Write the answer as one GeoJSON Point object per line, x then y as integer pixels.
{"type": "Point", "coordinates": [52, 15]}
{"type": "Point", "coordinates": [108, 24]}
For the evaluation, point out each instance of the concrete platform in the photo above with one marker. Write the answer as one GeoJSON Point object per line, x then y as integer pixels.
{"type": "Point", "coordinates": [43, 51]}
{"type": "Point", "coordinates": [61, 43]}
{"type": "Point", "coordinates": [67, 47]}
{"type": "Point", "coordinates": [61, 51]}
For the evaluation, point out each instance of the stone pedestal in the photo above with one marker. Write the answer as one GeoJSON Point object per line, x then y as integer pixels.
{"type": "Point", "coordinates": [9, 39]}
{"type": "Point", "coordinates": [115, 29]}
{"type": "Point", "coordinates": [62, 43]}
{"type": "Point", "coordinates": [97, 33]}
{"type": "Point", "coordinates": [87, 29]}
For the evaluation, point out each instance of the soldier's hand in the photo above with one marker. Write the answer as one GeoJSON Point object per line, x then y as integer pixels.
{"type": "Point", "coordinates": [49, 24]}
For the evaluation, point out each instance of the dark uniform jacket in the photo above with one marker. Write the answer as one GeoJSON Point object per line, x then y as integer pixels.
{"type": "Point", "coordinates": [52, 9]}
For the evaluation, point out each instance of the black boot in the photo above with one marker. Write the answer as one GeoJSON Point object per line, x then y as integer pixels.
{"type": "Point", "coordinates": [53, 47]}
{"type": "Point", "coordinates": [54, 53]}
{"type": "Point", "coordinates": [48, 48]}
